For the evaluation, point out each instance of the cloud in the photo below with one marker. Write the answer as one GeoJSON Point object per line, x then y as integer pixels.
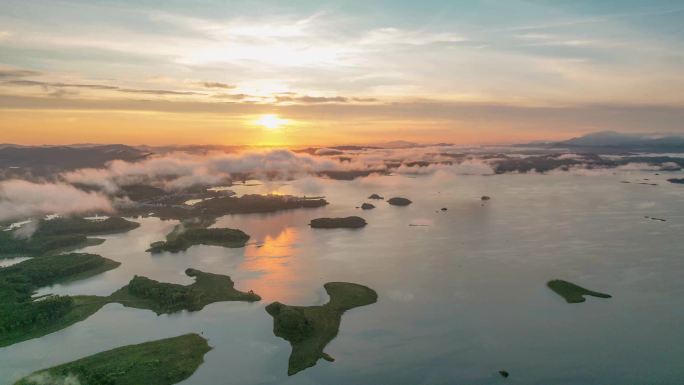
{"type": "Point", "coordinates": [312, 99]}
{"type": "Point", "coordinates": [328, 151]}
{"type": "Point", "coordinates": [53, 84]}
{"type": "Point", "coordinates": [485, 118]}
{"type": "Point", "coordinates": [21, 199]}
{"type": "Point", "coordinates": [158, 92]}
{"type": "Point", "coordinates": [48, 85]}
{"type": "Point", "coordinates": [7, 73]}
{"type": "Point", "coordinates": [180, 170]}
{"type": "Point", "coordinates": [216, 85]}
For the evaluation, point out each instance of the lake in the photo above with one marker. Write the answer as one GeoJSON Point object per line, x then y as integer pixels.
{"type": "Point", "coordinates": [462, 293]}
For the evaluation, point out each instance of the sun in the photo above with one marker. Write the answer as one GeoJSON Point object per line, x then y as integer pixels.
{"type": "Point", "coordinates": [271, 122]}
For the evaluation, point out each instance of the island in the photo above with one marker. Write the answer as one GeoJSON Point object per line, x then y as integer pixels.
{"type": "Point", "coordinates": [367, 206]}
{"type": "Point", "coordinates": [485, 198]}
{"type": "Point", "coordinates": [352, 222]}
{"type": "Point", "coordinates": [83, 226]}
{"type": "Point", "coordinates": [181, 239]}
{"type": "Point", "coordinates": [676, 180]}
{"type": "Point", "coordinates": [162, 362]}
{"type": "Point", "coordinates": [375, 196]}
{"type": "Point", "coordinates": [216, 204]}
{"type": "Point", "coordinates": [165, 298]}
{"type": "Point", "coordinates": [254, 203]}
{"type": "Point", "coordinates": [573, 293]}
{"type": "Point", "coordinates": [23, 317]}
{"type": "Point", "coordinates": [59, 235]}
{"type": "Point", "coordinates": [399, 201]}
{"type": "Point", "coordinates": [310, 328]}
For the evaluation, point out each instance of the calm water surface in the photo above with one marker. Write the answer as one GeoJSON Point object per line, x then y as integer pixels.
{"type": "Point", "coordinates": [460, 297]}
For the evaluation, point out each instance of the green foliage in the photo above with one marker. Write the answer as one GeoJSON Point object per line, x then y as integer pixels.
{"type": "Point", "coordinates": [353, 222]}
{"type": "Point", "coordinates": [161, 297]}
{"type": "Point", "coordinates": [181, 240]}
{"type": "Point", "coordinates": [161, 362]}
{"type": "Point", "coordinates": [310, 328]}
{"type": "Point", "coordinates": [60, 234]}
{"type": "Point", "coordinates": [76, 225]}
{"type": "Point", "coordinates": [254, 203]}
{"type": "Point", "coordinates": [37, 245]}
{"type": "Point", "coordinates": [22, 317]}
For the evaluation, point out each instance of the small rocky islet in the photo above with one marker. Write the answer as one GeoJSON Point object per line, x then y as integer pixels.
{"type": "Point", "coordinates": [573, 293]}
{"type": "Point", "coordinates": [399, 201]}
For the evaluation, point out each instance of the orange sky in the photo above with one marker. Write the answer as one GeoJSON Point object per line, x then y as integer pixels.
{"type": "Point", "coordinates": [350, 72]}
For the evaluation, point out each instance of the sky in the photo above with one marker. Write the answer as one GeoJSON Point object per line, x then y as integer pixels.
{"type": "Point", "coordinates": [344, 72]}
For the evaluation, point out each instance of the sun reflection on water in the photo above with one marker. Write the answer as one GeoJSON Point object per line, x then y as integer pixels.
{"type": "Point", "coordinates": [273, 258]}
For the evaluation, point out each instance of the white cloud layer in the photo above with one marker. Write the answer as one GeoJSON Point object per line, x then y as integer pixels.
{"type": "Point", "coordinates": [20, 199]}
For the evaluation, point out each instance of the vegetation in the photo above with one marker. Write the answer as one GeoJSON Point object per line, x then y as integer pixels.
{"type": "Point", "coordinates": [333, 223]}
{"type": "Point", "coordinates": [676, 180]}
{"type": "Point", "coordinates": [571, 292]}
{"type": "Point", "coordinates": [76, 225]}
{"type": "Point", "coordinates": [367, 206]}
{"type": "Point", "coordinates": [11, 246]}
{"type": "Point", "coordinates": [399, 201]}
{"type": "Point", "coordinates": [310, 328]}
{"type": "Point", "coordinates": [23, 317]}
{"type": "Point", "coordinates": [60, 235]}
{"type": "Point", "coordinates": [181, 239]}
{"type": "Point", "coordinates": [162, 362]}
{"type": "Point", "coordinates": [254, 203]}
{"type": "Point", "coordinates": [161, 297]}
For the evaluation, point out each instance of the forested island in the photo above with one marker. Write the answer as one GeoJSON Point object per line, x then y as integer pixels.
{"type": "Point", "coordinates": [162, 362]}
{"type": "Point", "coordinates": [310, 328]}
{"type": "Point", "coordinates": [352, 222]}
{"type": "Point", "coordinates": [181, 241]}
{"type": "Point", "coordinates": [161, 297]}
{"type": "Point", "coordinates": [59, 235]}
{"type": "Point", "coordinates": [23, 317]}
{"type": "Point", "coordinates": [213, 206]}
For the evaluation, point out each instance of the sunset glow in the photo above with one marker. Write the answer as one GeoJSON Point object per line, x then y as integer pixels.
{"type": "Point", "coordinates": [457, 72]}
{"type": "Point", "coordinates": [271, 122]}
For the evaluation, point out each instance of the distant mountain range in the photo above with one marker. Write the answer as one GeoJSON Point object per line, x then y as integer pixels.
{"type": "Point", "coordinates": [16, 160]}
{"type": "Point", "coordinates": [611, 142]}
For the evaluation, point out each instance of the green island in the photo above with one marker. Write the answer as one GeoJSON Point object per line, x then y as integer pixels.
{"type": "Point", "coordinates": [352, 222]}
{"type": "Point", "coordinates": [310, 328]}
{"type": "Point", "coordinates": [571, 292]}
{"type": "Point", "coordinates": [161, 297]}
{"type": "Point", "coordinates": [23, 317]}
{"type": "Point", "coordinates": [60, 235]}
{"type": "Point", "coordinates": [162, 362]}
{"type": "Point", "coordinates": [195, 232]}
{"type": "Point", "coordinates": [217, 204]}
{"type": "Point", "coordinates": [399, 201]}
